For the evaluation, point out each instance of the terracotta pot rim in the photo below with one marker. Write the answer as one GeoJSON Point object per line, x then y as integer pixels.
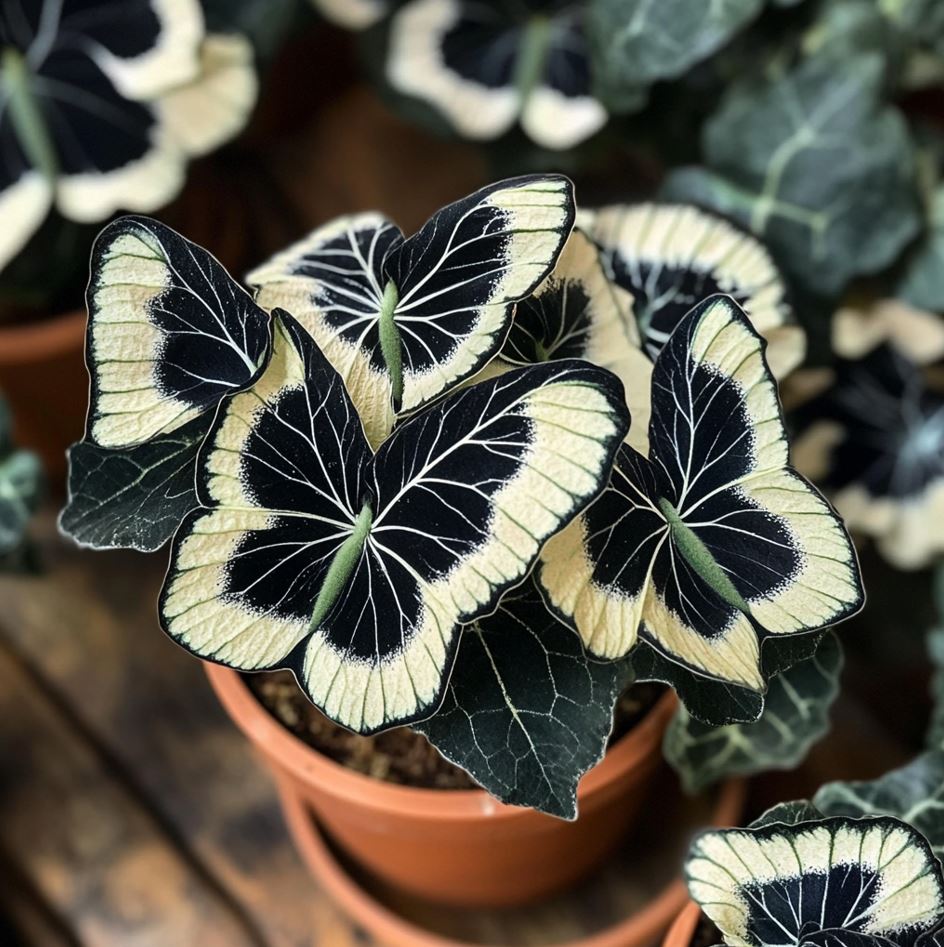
{"type": "Point", "coordinates": [637, 930]}
{"type": "Point", "coordinates": [307, 765]}
{"type": "Point", "coordinates": [37, 341]}
{"type": "Point", "coordinates": [683, 928]}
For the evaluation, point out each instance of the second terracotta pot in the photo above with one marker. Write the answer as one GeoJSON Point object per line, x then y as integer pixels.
{"type": "Point", "coordinates": [43, 377]}
{"type": "Point", "coordinates": [457, 846]}
{"type": "Point", "coordinates": [682, 931]}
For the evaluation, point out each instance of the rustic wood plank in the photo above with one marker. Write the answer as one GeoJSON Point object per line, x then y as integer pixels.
{"type": "Point", "coordinates": [84, 840]}
{"type": "Point", "coordinates": [89, 627]}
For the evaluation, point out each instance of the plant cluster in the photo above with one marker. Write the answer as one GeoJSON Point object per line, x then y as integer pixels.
{"type": "Point", "coordinates": [476, 479]}
{"type": "Point", "coordinates": [104, 107]}
{"type": "Point", "coordinates": [803, 120]}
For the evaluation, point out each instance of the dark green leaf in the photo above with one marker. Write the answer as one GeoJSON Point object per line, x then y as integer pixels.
{"type": "Point", "coordinates": [914, 793]}
{"type": "Point", "coordinates": [922, 282]}
{"type": "Point", "coordinates": [527, 713]}
{"type": "Point", "coordinates": [934, 738]}
{"type": "Point", "coordinates": [636, 42]}
{"type": "Point", "coordinates": [816, 166]}
{"type": "Point", "coordinates": [795, 716]}
{"type": "Point", "coordinates": [788, 813]}
{"type": "Point", "coordinates": [133, 497]}
{"type": "Point", "coordinates": [21, 480]}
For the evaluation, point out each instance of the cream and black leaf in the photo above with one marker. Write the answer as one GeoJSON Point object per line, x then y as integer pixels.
{"type": "Point", "coordinates": [486, 66]}
{"type": "Point", "coordinates": [876, 438]}
{"type": "Point", "coordinates": [527, 712]}
{"type": "Point", "coordinates": [405, 320]}
{"type": "Point", "coordinates": [89, 124]}
{"type": "Point", "coordinates": [913, 793]}
{"type": "Point", "coordinates": [712, 543]}
{"type": "Point", "coordinates": [169, 334]}
{"type": "Point", "coordinates": [670, 257]}
{"type": "Point", "coordinates": [354, 569]}
{"type": "Point", "coordinates": [577, 312]}
{"type": "Point", "coordinates": [818, 882]}
{"type": "Point", "coordinates": [795, 716]}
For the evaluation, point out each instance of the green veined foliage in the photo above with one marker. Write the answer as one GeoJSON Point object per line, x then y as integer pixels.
{"type": "Point", "coordinates": [712, 543]}
{"type": "Point", "coordinates": [169, 334]}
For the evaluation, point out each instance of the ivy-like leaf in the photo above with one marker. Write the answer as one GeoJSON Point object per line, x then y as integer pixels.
{"type": "Point", "coordinates": [913, 793]}
{"type": "Point", "coordinates": [788, 813]}
{"type": "Point", "coordinates": [21, 480]}
{"type": "Point", "coordinates": [815, 165]}
{"type": "Point", "coordinates": [934, 738]}
{"type": "Point", "coordinates": [795, 716]}
{"type": "Point", "coordinates": [527, 712]}
{"type": "Point", "coordinates": [637, 42]}
{"type": "Point", "coordinates": [920, 283]}
{"type": "Point", "coordinates": [133, 497]}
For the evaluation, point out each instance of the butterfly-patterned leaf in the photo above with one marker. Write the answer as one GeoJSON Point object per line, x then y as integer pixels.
{"type": "Point", "coordinates": [780, 884]}
{"type": "Point", "coordinates": [357, 569]}
{"type": "Point", "coordinates": [712, 543]}
{"type": "Point", "coordinates": [104, 103]}
{"type": "Point", "coordinates": [875, 440]}
{"type": "Point", "coordinates": [672, 256]}
{"type": "Point", "coordinates": [133, 497]}
{"type": "Point", "coordinates": [913, 793]}
{"type": "Point", "coordinates": [578, 313]}
{"type": "Point", "coordinates": [527, 713]}
{"type": "Point", "coordinates": [795, 716]}
{"type": "Point", "coordinates": [170, 333]}
{"type": "Point", "coordinates": [484, 66]}
{"type": "Point", "coordinates": [404, 320]}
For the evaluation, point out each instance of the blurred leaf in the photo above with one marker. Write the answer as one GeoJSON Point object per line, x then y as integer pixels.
{"type": "Point", "coordinates": [816, 166]}
{"type": "Point", "coordinates": [848, 28]}
{"type": "Point", "coordinates": [524, 736]}
{"type": "Point", "coordinates": [914, 793]}
{"type": "Point", "coordinates": [795, 716]}
{"type": "Point", "coordinates": [788, 813]}
{"type": "Point", "coordinates": [265, 23]}
{"type": "Point", "coordinates": [922, 21]}
{"type": "Point", "coordinates": [922, 281]}
{"type": "Point", "coordinates": [934, 738]}
{"type": "Point", "coordinates": [636, 42]}
{"type": "Point", "coordinates": [21, 480]}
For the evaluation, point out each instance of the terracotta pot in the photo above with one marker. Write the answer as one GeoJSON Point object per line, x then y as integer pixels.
{"type": "Point", "coordinates": [43, 377]}
{"type": "Point", "coordinates": [683, 928]}
{"type": "Point", "coordinates": [392, 929]}
{"type": "Point", "coordinates": [457, 846]}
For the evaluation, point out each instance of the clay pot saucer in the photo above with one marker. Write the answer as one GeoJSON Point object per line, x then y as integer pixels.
{"type": "Point", "coordinates": [398, 922]}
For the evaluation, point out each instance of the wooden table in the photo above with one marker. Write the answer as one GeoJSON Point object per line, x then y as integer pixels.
{"type": "Point", "coordinates": [132, 813]}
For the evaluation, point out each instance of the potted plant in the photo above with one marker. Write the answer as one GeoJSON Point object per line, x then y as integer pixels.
{"type": "Point", "coordinates": [396, 472]}
{"type": "Point", "coordinates": [858, 864]}
{"type": "Point", "coordinates": [104, 113]}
